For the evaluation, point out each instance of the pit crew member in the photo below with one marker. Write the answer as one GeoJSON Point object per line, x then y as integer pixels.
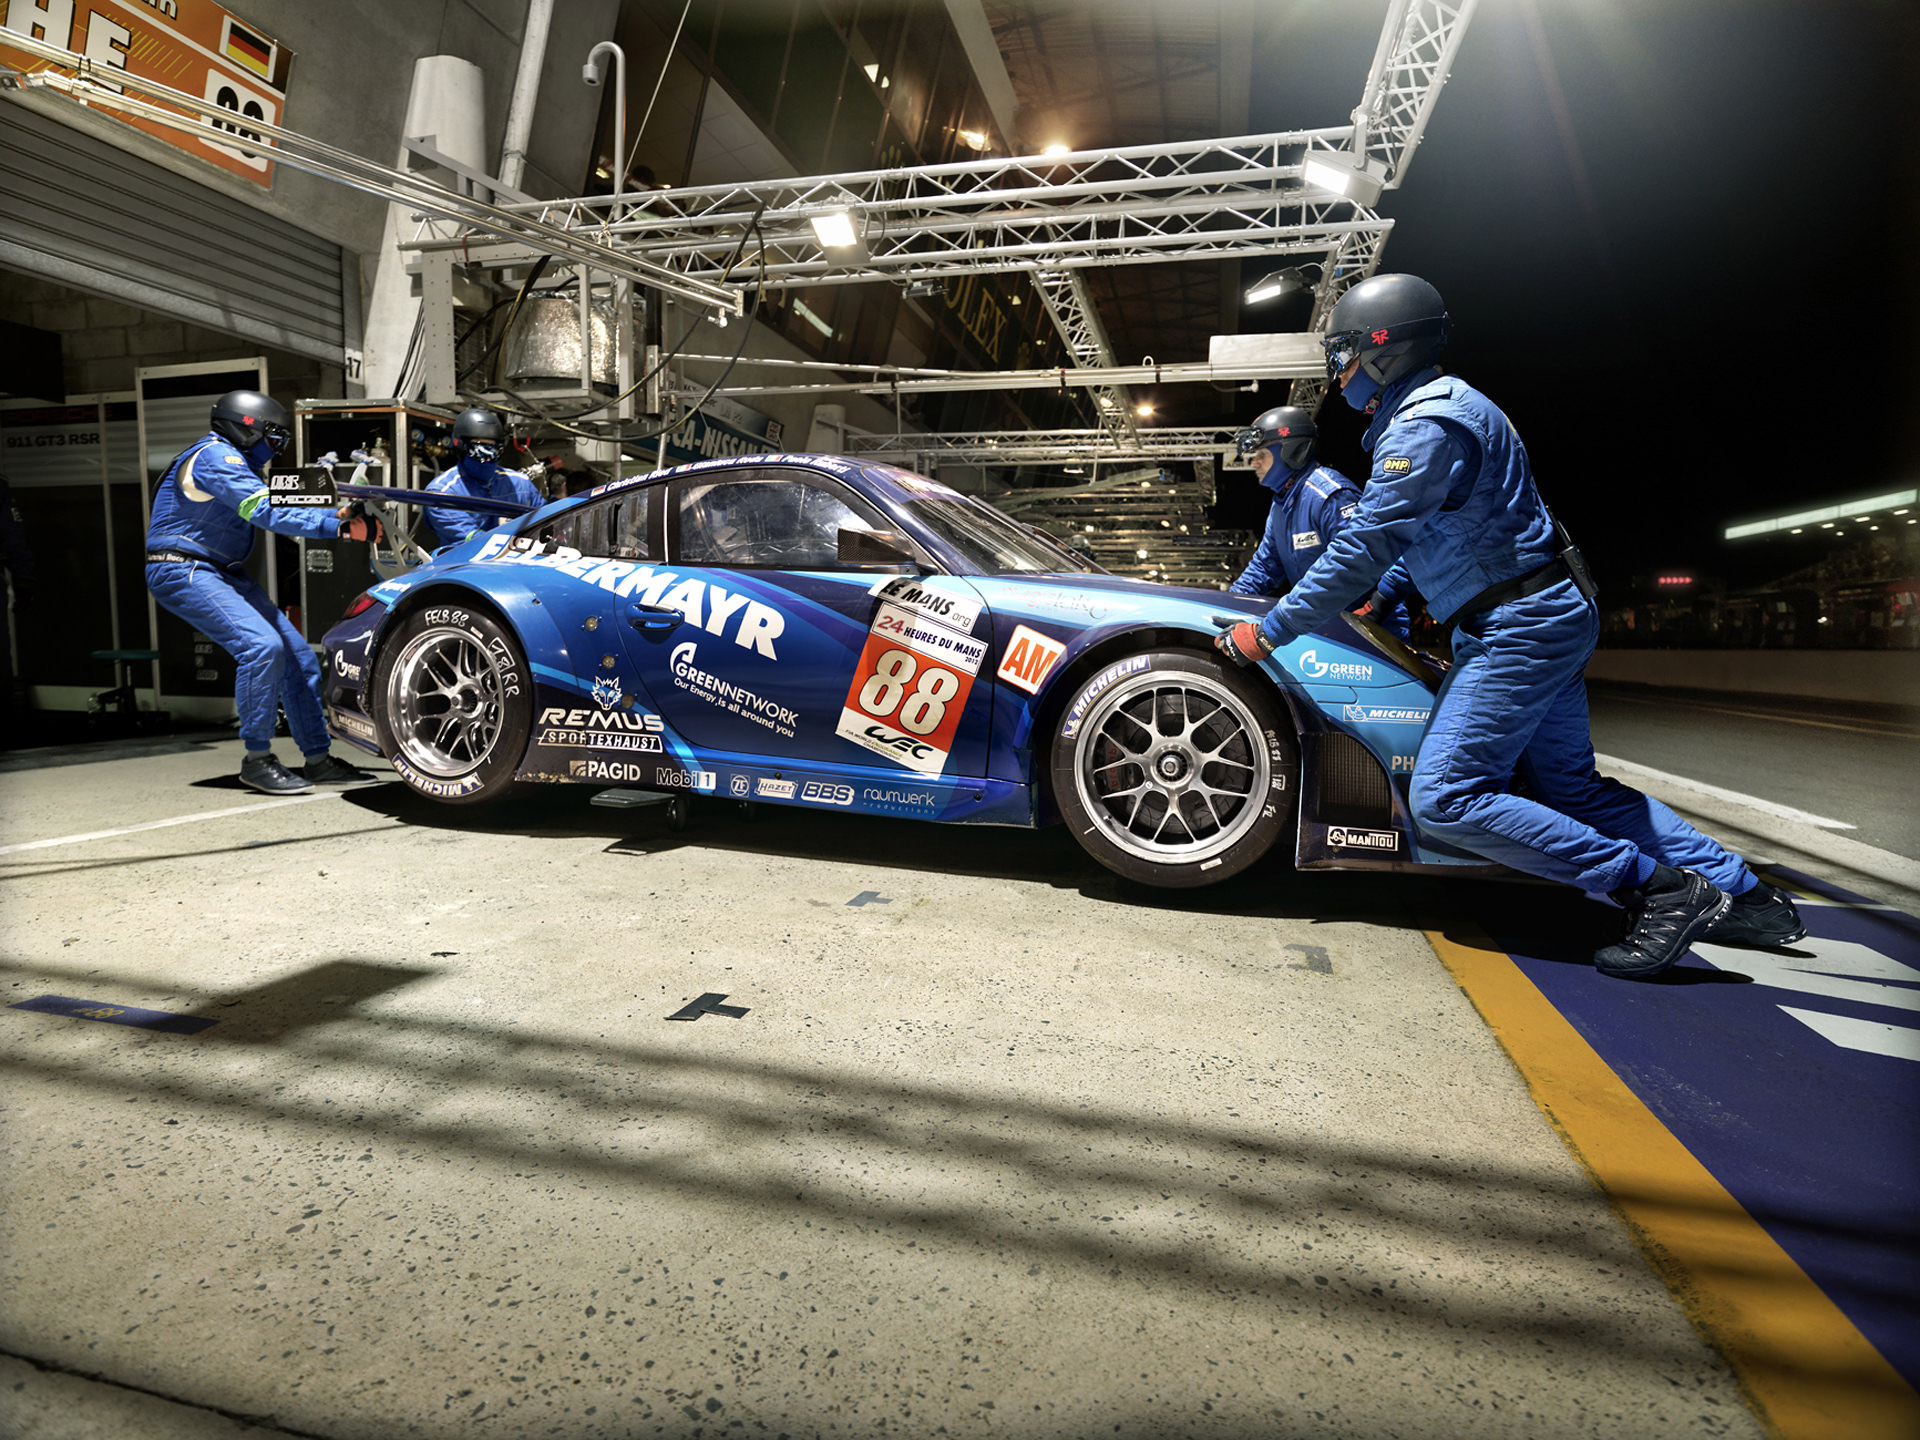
{"type": "Point", "coordinates": [1453, 496]}
{"type": "Point", "coordinates": [1311, 504]}
{"type": "Point", "coordinates": [478, 439]}
{"type": "Point", "coordinates": [210, 501]}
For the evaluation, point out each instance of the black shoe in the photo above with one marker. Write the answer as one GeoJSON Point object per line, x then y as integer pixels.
{"type": "Point", "coordinates": [330, 770]}
{"type": "Point", "coordinates": [270, 777]}
{"type": "Point", "coordinates": [1763, 916]}
{"type": "Point", "coordinates": [1668, 913]}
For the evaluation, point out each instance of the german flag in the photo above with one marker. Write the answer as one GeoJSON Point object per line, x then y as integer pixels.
{"type": "Point", "coordinates": [250, 50]}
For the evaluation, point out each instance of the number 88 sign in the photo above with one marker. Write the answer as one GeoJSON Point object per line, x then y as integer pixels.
{"type": "Point", "coordinates": [909, 690]}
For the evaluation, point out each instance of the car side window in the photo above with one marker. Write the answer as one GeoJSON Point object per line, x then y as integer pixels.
{"type": "Point", "coordinates": [615, 528]}
{"type": "Point", "coordinates": [789, 521]}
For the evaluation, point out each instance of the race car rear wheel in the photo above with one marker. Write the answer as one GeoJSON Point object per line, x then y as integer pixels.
{"type": "Point", "coordinates": [1174, 769]}
{"type": "Point", "coordinates": [453, 703]}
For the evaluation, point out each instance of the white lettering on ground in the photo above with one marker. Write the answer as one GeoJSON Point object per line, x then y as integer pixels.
{"type": "Point", "coordinates": [1838, 970]}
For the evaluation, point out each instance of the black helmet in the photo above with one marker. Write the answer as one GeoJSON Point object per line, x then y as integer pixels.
{"type": "Point", "coordinates": [479, 423]}
{"type": "Point", "coordinates": [1396, 324]}
{"type": "Point", "coordinates": [1287, 426]}
{"type": "Point", "coordinates": [243, 418]}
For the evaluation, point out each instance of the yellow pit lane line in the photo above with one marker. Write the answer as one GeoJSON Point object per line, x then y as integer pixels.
{"type": "Point", "coordinates": [1805, 1368]}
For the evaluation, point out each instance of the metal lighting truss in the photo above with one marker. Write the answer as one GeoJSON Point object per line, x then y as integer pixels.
{"type": "Point", "coordinates": [1195, 200]}
{"type": "Point", "coordinates": [1071, 308]}
{"type": "Point", "coordinates": [104, 87]}
{"type": "Point", "coordinates": [1417, 46]}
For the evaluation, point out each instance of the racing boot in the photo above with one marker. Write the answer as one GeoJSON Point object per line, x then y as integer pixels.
{"type": "Point", "coordinates": [1762, 916]}
{"type": "Point", "coordinates": [1668, 913]}
{"type": "Point", "coordinates": [267, 775]}
{"type": "Point", "coordinates": [330, 770]}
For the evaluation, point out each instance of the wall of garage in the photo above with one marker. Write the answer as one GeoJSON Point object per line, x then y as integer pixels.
{"type": "Point", "coordinates": [1876, 677]}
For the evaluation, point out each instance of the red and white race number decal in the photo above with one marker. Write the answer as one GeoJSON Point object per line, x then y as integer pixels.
{"type": "Point", "coordinates": [909, 690]}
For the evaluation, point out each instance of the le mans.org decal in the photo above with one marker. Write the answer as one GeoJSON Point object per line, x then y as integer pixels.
{"type": "Point", "coordinates": [960, 610]}
{"type": "Point", "coordinates": [1030, 657]}
{"type": "Point", "coordinates": [910, 687]}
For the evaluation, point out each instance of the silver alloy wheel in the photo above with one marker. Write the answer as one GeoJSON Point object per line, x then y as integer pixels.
{"type": "Point", "coordinates": [444, 702]}
{"type": "Point", "coordinates": [1172, 766]}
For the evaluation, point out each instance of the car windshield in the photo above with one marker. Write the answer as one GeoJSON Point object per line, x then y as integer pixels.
{"type": "Point", "coordinates": [992, 542]}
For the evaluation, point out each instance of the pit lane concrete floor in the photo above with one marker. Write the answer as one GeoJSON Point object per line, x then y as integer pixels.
{"type": "Point", "coordinates": [1000, 1146]}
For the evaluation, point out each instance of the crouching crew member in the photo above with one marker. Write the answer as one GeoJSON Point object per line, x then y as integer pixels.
{"type": "Point", "coordinates": [210, 502]}
{"type": "Point", "coordinates": [1453, 495]}
{"type": "Point", "coordinates": [478, 438]}
{"type": "Point", "coordinates": [1311, 504]}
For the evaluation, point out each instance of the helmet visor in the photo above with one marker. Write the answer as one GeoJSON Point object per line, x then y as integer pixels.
{"type": "Point", "coordinates": [485, 451]}
{"type": "Point", "coordinates": [1341, 350]}
{"type": "Point", "coordinates": [277, 436]}
{"type": "Point", "coordinates": [1248, 440]}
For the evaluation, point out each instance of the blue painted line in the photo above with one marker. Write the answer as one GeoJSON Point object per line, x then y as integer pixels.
{"type": "Point", "coordinates": [1818, 1142]}
{"type": "Point", "coordinates": [109, 1014]}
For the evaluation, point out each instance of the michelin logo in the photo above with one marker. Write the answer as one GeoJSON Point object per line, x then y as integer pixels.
{"type": "Point", "coordinates": [1383, 715]}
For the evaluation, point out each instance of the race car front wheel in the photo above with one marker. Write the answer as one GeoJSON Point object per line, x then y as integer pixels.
{"type": "Point", "coordinates": [453, 703]}
{"type": "Point", "coordinates": [1175, 770]}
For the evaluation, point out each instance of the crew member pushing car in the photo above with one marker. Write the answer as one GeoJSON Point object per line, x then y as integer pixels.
{"type": "Point", "coordinates": [1452, 496]}
{"type": "Point", "coordinates": [211, 500]}
{"type": "Point", "coordinates": [1311, 504]}
{"type": "Point", "coordinates": [478, 437]}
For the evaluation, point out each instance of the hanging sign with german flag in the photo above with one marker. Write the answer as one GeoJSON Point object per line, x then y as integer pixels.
{"type": "Point", "coordinates": [193, 46]}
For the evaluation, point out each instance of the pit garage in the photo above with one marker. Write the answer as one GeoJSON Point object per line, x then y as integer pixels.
{"type": "Point", "coordinates": [709, 1038]}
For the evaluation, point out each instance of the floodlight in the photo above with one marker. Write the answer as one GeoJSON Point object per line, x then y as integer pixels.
{"type": "Point", "coordinates": [974, 139]}
{"type": "Point", "coordinates": [1057, 148]}
{"type": "Point", "coordinates": [1352, 179]}
{"type": "Point", "coordinates": [1280, 282]}
{"type": "Point", "coordinates": [835, 230]}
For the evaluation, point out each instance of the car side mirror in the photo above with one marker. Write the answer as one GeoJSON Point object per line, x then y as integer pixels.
{"type": "Point", "coordinates": [876, 547]}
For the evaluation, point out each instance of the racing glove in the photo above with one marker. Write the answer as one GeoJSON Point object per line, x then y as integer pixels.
{"type": "Point", "coordinates": [357, 524]}
{"type": "Point", "coordinates": [1244, 644]}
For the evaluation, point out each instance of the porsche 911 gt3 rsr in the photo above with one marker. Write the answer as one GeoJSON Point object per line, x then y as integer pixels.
{"type": "Point", "coordinates": [816, 631]}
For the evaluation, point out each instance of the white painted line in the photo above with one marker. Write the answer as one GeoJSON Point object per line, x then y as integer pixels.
{"type": "Point", "coordinates": [1900, 1042]}
{"type": "Point", "coordinates": [1765, 807]}
{"type": "Point", "coordinates": [175, 820]}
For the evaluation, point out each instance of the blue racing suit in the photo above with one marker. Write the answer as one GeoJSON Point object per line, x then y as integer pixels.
{"type": "Point", "coordinates": [1309, 508]}
{"type": "Point", "coordinates": [209, 504]}
{"type": "Point", "coordinates": [491, 481]}
{"type": "Point", "coordinates": [1452, 496]}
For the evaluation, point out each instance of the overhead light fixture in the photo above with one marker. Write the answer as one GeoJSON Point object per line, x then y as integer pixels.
{"type": "Point", "coordinates": [920, 289]}
{"type": "Point", "coordinates": [1280, 282]}
{"type": "Point", "coordinates": [1057, 149]}
{"type": "Point", "coordinates": [1143, 410]}
{"type": "Point", "coordinates": [975, 139]}
{"type": "Point", "coordinates": [1347, 177]}
{"type": "Point", "coordinates": [835, 230]}
{"type": "Point", "coordinates": [1856, 510]}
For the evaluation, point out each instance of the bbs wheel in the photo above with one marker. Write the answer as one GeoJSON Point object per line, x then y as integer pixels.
{"type": "Point", "coordinates": [1174, 770]}
{"type": "Point", "coordinates": [452, 702]}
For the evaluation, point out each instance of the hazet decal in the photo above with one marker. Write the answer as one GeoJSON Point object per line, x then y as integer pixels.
{"type": "Point", "coordinates": [1030, 656]}
{"type": "Point", "coordinates": [776, 789]}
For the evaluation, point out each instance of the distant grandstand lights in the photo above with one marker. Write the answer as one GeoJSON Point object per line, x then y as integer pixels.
{"type": "Point", "coordinates": [1826, 515]}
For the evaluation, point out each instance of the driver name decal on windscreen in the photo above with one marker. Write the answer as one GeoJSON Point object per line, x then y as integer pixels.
{"type": "Point", "coordinates": [912, 683]}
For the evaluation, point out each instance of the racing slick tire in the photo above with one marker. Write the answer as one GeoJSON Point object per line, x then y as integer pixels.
{"type": "Point", "coordinates": [1174, 769]}
{"type": "Point", "coordinates": [453, 703]}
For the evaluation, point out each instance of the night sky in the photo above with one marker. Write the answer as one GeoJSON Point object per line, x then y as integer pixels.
{"type": "Point", "coordinates": [1678, 242]}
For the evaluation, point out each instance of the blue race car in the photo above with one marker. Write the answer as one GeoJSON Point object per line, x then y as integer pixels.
{"type": "Point", "coordinates": [818, 631]}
